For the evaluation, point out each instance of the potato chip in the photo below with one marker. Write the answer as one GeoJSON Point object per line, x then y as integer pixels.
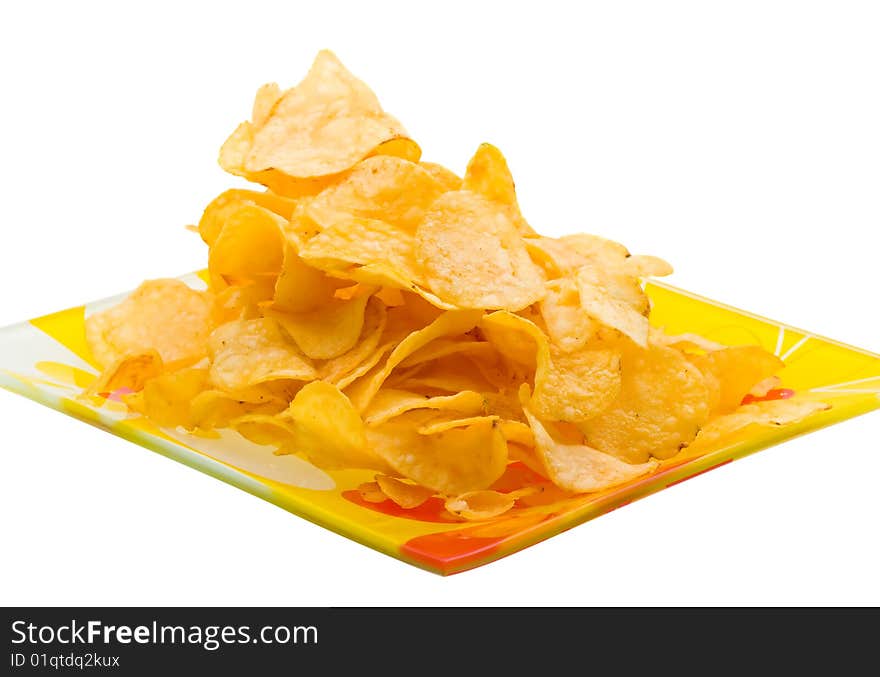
{"type": "Point", "coordinates": [488, 175]}
{"type": "Point", "coordinates": [687, 341]}
{"type": "Point", "coordinates": [375, 319]}
{"type": "Point", "coordinates": [576, 386]}
{"type": "Point", "coordinates": [129, 373]}
{"type": "Point", "coordinates": [325, 332]}
{"type": "Point", "coordinates": [451, 323]}
{"type": "Point", "coordinates": [640, 265]}
{"type": "Point", "coordinates": [363, 241]}
{"type": "Point", "coordinates": [484, 504]}
{"type": "Point", "coordinates": [299, 287]}
{"type": "Point", "coordinates": [166, 400]}
{"type": "Point", "coordinates": [563, 256]}
{"type": "Point", "coordinates": [475, 350]}
{"type": "Point", "coordinates": [218, 210]}
{"type": "Point", "coordinates": [371, 492]}
{"type": "Point", "coordinates": [766, 413]}
{"type": "Point", "coordinates": [443, 423]}
{"type": "Point", "coordinates": [448, 179]}
{"type": "Point", "coordinates": [473, 256]}
{"type": "Point", "coordinates": [161, 315]}
{"type": "Point", "coordinates": [217, 409]}
{"type": "Point", "coordinates": [250, 244]}
{"type": "Point", "coordinates": [517, 432]}
{"type": "Point", "coordinates": [663, 402]}
{"type": "Point", "coordinates": [569, 327]}
{"type": "Point", "coordinates": [248, 352]}
{"type": "Point", "coordinates": [264, 101]}
{"type": "Point", "coordinates": [386, 188]}
{"type": "Point", "coordinates": [328, 429]}
{"type": "Point", "coordinates": [323, 126]}
{"type": "Point", "coordinates": [732, 372]}
{"type": "Point", "coordinates": [389, 403]}
{"type": "Point", "coordinates": [264, 429]}
{"type": "Point", "coordinates": [578, 467]}
{"type": "Point", "coordinates": [404, 494]}
{"type": "Point", "coordinates": [616, 301]}
{"type": "Point", "coordinates": [451, 462]}
{"type": "Point", "coordinates": [515, 337]}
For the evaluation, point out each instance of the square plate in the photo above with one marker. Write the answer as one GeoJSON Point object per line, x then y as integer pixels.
{"type": "Point", "coordinates": [47, 359]}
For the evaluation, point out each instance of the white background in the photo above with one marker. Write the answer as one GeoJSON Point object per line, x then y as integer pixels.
{"type": "Point", "coordinates": [739, 140]}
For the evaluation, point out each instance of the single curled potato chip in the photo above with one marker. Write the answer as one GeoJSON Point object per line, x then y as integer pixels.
{"type": "Point", "coordinates": [323, 126]}
{"type": "Point", "coordinates": [488, 175]}
{"type": "Point", "coordinates": [404, 494]}
{"type": "Point", "coordinates": [450, 462]}
{"type": "Point", "coordinates": [325, 332]}
{"type": "Point", "coordinates": [228, 202]}
{"type": "Point", "coordinates": [371, 492]}
{"type": "Point", "coordinates": [383, 187]}
{"type": "Point", "coordinates": [443, 423]}
{"type": "Point", "coordinates": [375, 319]}
{"type": "Point", "coordinates": [217, 409]}
{"type": "Point", "coordinates": [264, 429]}
{"type": "Point", "coordinates": [162, 315]}
{"type": "Point", "coordinates": [517, 432]}
{"type": "Point", "coordinates": [249, 245]}
{"type": "Point", "coordinates": [480, 505]}
{"type": "Point", "coordinates": [562, 256]}
{"type": "Point", "coordinates": [731, 373]}
{"type": "Point", "coordinates": [663, 402]}
{"type": "Point", "coordinates": [576, 386]}
{"type": "Point", "coordinates": [473, 256]}
{"type": "Point", "coordinates": [389, 403]}
{"type": "Point", "coordinates": [248, 352]}
{"type": "Point", "coordinates": [328, 429]}
{"type": "Point", "coordinates": [767, 413]}
{"type": "Point", "coordinates": [639, 265]}
{"type": "Point", "coordinates": [579, 468]}
{"type": "Point", "coordinates": [615, 300]}
{"type": "Point", "coordinates": [129, 373]}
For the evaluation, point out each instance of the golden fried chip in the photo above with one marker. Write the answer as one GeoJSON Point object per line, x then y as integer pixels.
{"type": "Point", "coordinates": [488, 175]}
{"type": "Point", "coordinates": [768, 413]}
{"type": "Point", "coordinates": [640, 265]}
{"type": "Point", "coordinates": [217, 409]}
{"type": "Point", "coordinates": [328, 331]}
{"type": "Point", "coordinates": [663, 403]}
{"type": "Point", "coordinates": [517, 432]}
{"type": "Point", "coordinates": [248, 352]}
{"type": "Point", "coordinates": [443, 423]}
{"type": "Point", "coordinates": [576, 386]}
{"type": "Point", "coordinates": [404, 494]}
{"type": "Point", "coordinates": [228, 202]}
{"type": "Point", "coordinates": [323, 126]}
{"type": "Point", "coordinates": [375, 318]}
{"type": "Point", "coordinates": [484, 504]}
{"type": "Point", "coordinates": [563, 256]}
{"type": "Point", "coordinates": [475, 350]}
{"type": "Point", "coordinates": [129, 373]}
{"type": "Point", "coordinates": [578, 467]}
{"type": "Point", "coordinates": [615, 300]}
{"type": "Point", "coordinates": [250, 244]}
{"type": "Point", "coordinates": [166, 399]}
{"type": "Point", "coordinates": [300, 287]}
{"type": "Point", "coordinates": [452, 323]}
{"type": "Point", "coordinates": [264, 429]}
{"type": "Point", "coordinates": [515, 337]}
{"type": "Point", "coordinates": [328, 429]}
{"type": "Point", "coordinates": [451, 462]}
{"type": "Point", "coordinates": [386, 188]}
{"type": "Point", "coordinates": [473, 256]}
{"type": "Point", "coordinates": [371, 492]}
{"type": "Point", "coordinates": [389, 403]}
{"type": "Point", "coordinates": [242, 301]}
{"type": "Point", "coordinates": [161, 315]}
{"type": "Point", "coordinates": [732, 372]}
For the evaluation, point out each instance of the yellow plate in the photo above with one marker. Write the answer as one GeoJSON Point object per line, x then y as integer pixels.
{"type": "Point", "coordinates": [47, 360]}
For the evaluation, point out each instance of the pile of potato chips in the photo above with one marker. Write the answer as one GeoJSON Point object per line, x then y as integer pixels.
{"type": "Point", "coordinates": [368, 310]}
